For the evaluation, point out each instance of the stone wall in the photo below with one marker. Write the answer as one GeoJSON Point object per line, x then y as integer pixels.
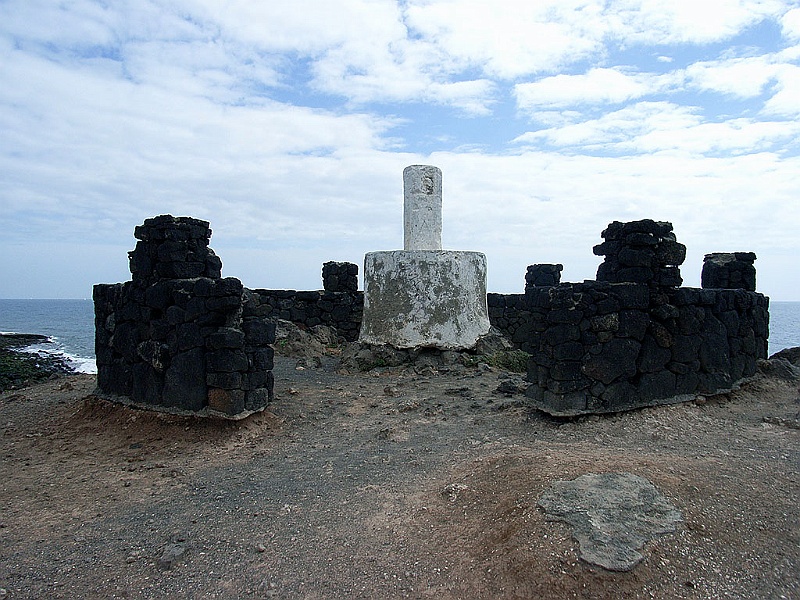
{"type": "Point", "coordinates": [607, 347]}
{"type": "Point", "coordinates": [178, 337]}
{"type": "Point", "coordinates": [340, 310]}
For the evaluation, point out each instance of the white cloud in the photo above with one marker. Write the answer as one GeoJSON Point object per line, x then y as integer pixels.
{"type": "Point", "coordinates": [786, 100]}
{"type": "Point", "coordinates": [617, 127]}
{"type": "Point", "coordinates": [662, 126]}
{"type": "Point", "coordinates": [741, 77]}
{"type": "Point", "coordinates": [511, 39]}
{"type": "Point", "coordinates": [790, 24]}
{"type": "Point", "coordinates": [688, 21]}
{"type": "Point", "coordinates": [597, 86]}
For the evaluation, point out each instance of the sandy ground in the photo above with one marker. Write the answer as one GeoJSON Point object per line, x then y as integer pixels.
{"type": "Point", "coordinates": [386, 485]}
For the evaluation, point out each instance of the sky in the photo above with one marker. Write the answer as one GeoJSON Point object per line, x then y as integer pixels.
{"type": "Point", "coordinates": [287, 124]}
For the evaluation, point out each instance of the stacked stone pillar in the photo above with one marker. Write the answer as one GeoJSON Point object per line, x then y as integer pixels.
{"type": "Point", "coordinates": [641, 252]}
{"type": "Point", "coordinates": [179, 337]}
{"type": "Point", "coordinates": [729, 270]}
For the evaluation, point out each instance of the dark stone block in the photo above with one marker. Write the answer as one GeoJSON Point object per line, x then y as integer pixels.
{"type": "Point", "coordinates": [175, 315]}
{"type": "Point", "coordinates": [185, 381]}
{"type": "Point", "coordinates": [633, 324]}
{"type": "Point", "coordinates": [189, 336]}
{"type": "Point", "coordinates": [258, 398]}
{"type": "Point", "coordinates": [729, 270]}
{"type": "Point", "coordinates": [566, 371]}
{"type": "Point", "coordinates": [653, 357]}
{"type": "Point", "coordinates": [560, 334]}
{"type": "Point", "coordinates": [147, 384]}
{"type": "Point", "coordinates": [617, 360]}
{"type": "Point", "coordinates": [687, 383]}
{"type": "Point", "coordinates": [340, 276]}
{"type": "Point", "coordinates": [565, 315]}
{"type": "Point", "coordinates": [569, 351]}
{"type": "Point", "coordinates": [685, 348]}
{"type": "Point", "coordinates": [620, 396]}
{"type": "Point", "coordinates": [226, 337]}
{"type": "Point", "coordinates": [566, 404]}
{"type": "Point", "coordinates": [259, 332]}
{"type": "Point", "coordinates": [714, 356]}
{"type": "Point", "coordinates": [226, 360]}
{"type": "Point", "coordinates": [228, 381]}
{"type": "Point", "coordinates": [543, 275]}
{"type": "Point", "coordinates": [155, 354]}
{"type": "Point", "coordinates": [657, 386]}
{"type": "Point", "coordinates": [665, 312]}
{"type": "Point", "coordinates": [125, 340]}
{"type": "Point", "coordinates": [213, 266]}
{"type": "Point", "coordinates": [567, 386]}
{"type": "Point", "coordinates": [629, 257]}
{"type": "Point", "coordinates": [661, 334]}
{"type": "Point", "coordinates": [671, 253]}
{"type": "Point", "coordinates": [262, 359]}
{"type": "Point", "coordinates": [180, 270]}
{"type": "Point", "coordinates": [632, 296]}
{"type": "Point", "coordinates": [257, 379]}
{"type": "Point", "coordinates": [227, 303]}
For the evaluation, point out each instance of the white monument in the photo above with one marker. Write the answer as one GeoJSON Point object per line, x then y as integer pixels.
{"type": "Point", "coordinates": [423, 296]}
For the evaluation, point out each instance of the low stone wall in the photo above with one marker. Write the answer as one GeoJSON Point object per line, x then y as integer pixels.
{"type": "Point", "coordinates": [178, 337]}
{"type": "Point", "coordinates": [340, 310]}
{"type": "Point", "coordinates": [603, 347]}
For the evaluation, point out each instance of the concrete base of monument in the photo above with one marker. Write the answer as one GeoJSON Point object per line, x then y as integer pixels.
{"type": "Point", "coordinates": [424, 298]}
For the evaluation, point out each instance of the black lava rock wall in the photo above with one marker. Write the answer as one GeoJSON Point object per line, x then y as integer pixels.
{"type": "Point", "coordinates": [607, 347]}
{"type": "Point", "coordinates": [179, 337]}
{"type": "Point", "coordinates": [339, 305]}
{"type": "Point", "coordinates": [634, 338]}
{"type": "Point", "coordinates": [341, 310]}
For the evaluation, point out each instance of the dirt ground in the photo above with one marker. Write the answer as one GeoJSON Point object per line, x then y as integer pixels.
{"type": "Point", "coordinates": [387, 484]}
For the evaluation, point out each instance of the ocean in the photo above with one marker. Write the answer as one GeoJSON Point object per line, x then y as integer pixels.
{"type": "Point", "coordinates": [70, 326]}
{"type": "Point", "coordinates": [68, 323]}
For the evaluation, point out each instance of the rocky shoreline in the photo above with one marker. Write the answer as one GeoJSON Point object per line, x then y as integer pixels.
{"type": "Point", "coordinates": [19, 369]}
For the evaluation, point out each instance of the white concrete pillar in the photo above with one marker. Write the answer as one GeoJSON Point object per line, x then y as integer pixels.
{"type": "Point", "coordinates": [422, 208]}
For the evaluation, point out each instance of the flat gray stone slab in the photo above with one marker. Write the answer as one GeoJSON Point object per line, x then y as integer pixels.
{"type": "Point", "coordinates": [613, 516]}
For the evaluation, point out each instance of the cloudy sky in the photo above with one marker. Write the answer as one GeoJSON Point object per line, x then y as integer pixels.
{"type": "Point", "coordinates": [287, 124]}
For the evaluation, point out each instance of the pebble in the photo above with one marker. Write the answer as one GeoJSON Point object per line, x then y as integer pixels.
{"type": "Point", "coordinates": [171, 556]}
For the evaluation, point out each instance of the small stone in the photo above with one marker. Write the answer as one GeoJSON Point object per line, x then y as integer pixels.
{"type": "Point", "coordinates": [261, 548]}
{"type": "Point", "coordinates": [453, 490]}
{"type": "Point", "coordinates": [172, 554]}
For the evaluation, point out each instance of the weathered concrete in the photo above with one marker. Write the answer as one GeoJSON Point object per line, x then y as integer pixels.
{"type": "Point", "coordinates": [613, 516]}
{"type": "Point", "coordinates": [424, 299]}
{"type": "Point", "coordinates": [422, 208]}
{"type": "Point", "coordinates": [424, 296]}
